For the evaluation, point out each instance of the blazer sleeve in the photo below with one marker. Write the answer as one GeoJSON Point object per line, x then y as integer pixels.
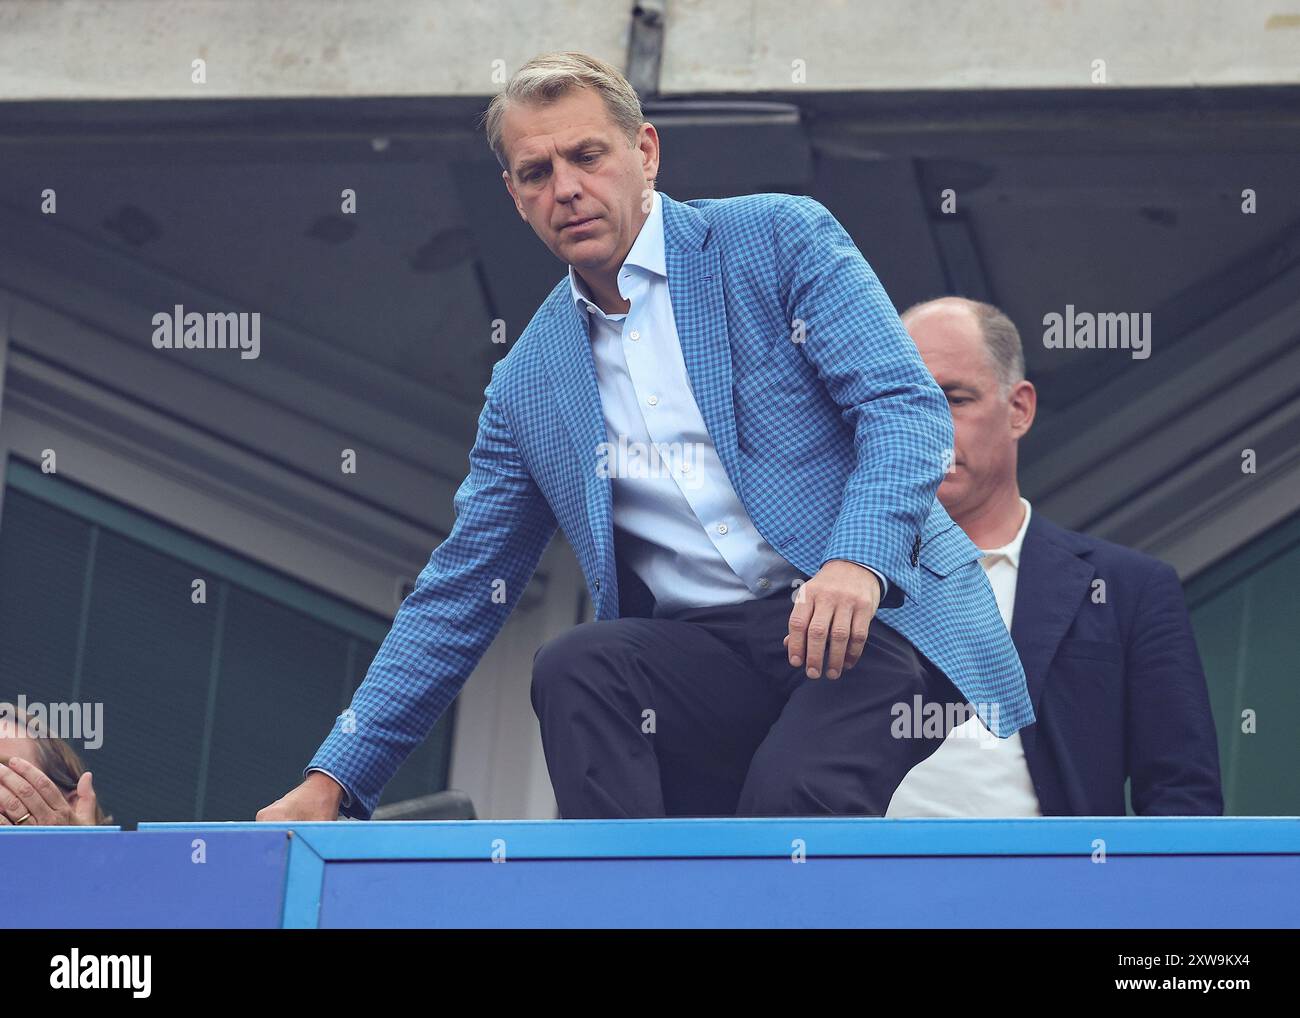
{"type": "Point", "coordinates": [462, 597]}
{"type": "Point", "coordinates": [903, 430]}
{"type": "Point", "coordinates": [1170, 742]}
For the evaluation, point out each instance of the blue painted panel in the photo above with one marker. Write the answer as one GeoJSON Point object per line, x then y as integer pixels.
{"type": "Point", "coordinates": [116, 879]}
{"type": "Point", "coordinates": [1126, 891]}
{"type": "Point", "coordinates": [302, 890]}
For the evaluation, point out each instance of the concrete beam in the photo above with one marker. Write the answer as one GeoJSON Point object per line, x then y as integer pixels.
{"type": "Point", "coordinates": [82, 49]}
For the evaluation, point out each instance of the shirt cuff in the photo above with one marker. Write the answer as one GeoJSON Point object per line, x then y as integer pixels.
{"type": "Point", "coordinates": [347, 796]}
{"type": "Point", "coordinates": [884, 583]}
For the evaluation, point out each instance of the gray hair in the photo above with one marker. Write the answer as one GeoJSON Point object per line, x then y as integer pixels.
{"type": "Point", "coordinates": [1001, 338]}
{"type": "Point", "coordinates": [546, 78]}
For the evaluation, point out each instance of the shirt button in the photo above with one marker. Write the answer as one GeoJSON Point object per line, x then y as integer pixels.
{"type": "Point", "coordinates": [652, 400]}
{"type": "Point", "coordinates": [722, 528]}
{"type": "Point", "coordinates": [591, 309]}
{"type": "Point", "coordinates": [634, 335]}
{"type": "Point", "coordinates": [686, 468]}
{"type": "Point", "coordinates": [764, 582]}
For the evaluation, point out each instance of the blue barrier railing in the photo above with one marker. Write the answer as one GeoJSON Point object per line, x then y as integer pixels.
{"type": "Point", "coordinates": [1050, 872]}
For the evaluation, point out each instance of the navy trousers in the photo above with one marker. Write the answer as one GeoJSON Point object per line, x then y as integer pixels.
{"type": "Point", "coordinates": [701, 714]}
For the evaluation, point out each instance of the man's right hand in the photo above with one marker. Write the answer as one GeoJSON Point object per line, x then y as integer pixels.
{"type": "Point", "coordinates": [317, 798]}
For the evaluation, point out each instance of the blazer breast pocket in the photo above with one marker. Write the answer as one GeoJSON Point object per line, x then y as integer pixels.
{"type": "Point", "coordinates": [1091, 650]}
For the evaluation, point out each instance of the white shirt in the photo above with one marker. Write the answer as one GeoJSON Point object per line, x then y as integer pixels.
{"type": "Point", "coordinates": [683, 528]}
{"type": "Point", "coordinates": [973, 773]}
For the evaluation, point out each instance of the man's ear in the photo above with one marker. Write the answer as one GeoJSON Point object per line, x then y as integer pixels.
{"type": "Point", "coordinates": [1024, 406]}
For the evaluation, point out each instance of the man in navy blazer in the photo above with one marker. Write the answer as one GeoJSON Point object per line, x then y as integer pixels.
{"type": "Point", "coordinates": [1102, 630]}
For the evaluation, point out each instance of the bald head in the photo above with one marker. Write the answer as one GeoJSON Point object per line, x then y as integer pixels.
{"type": "Point", "coordinates": [971, 319]}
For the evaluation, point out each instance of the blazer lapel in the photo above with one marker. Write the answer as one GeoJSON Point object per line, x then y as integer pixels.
{"type": "Point", "coordinates": [695, 290]}
{"type": "Point", "coordinates": [573, 375]}
{"type": "Point", "coordinates": [1053, 582]}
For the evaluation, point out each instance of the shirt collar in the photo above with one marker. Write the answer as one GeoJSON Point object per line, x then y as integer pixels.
{"type": "Point", "coordinates": [647, 252]}
{"type": "Point", "coordinates": [1012, 548]}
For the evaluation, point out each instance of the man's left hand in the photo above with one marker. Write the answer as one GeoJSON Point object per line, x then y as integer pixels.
{"type": "Point", "coordinates": [832, 612]}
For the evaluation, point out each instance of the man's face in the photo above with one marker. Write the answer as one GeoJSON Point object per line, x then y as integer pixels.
{"type": "Point", "coordinates": [568, 161]}
{"type": "Point", "coordinates": [986, 423]}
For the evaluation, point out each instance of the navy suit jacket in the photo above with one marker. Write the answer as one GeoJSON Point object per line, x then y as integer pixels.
{"type": "Point", "coordinates": [1116, 681]}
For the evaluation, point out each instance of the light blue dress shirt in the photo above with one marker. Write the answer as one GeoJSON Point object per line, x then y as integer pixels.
{"type": "Point", "coordinates": [681, 524]}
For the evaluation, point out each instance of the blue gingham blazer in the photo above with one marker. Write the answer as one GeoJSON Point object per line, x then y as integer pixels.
{"type": "Point", "coordinates": [832, 431]}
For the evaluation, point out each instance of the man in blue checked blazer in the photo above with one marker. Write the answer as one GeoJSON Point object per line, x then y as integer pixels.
{"type": "Point", "coordinates": [720, 409]}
